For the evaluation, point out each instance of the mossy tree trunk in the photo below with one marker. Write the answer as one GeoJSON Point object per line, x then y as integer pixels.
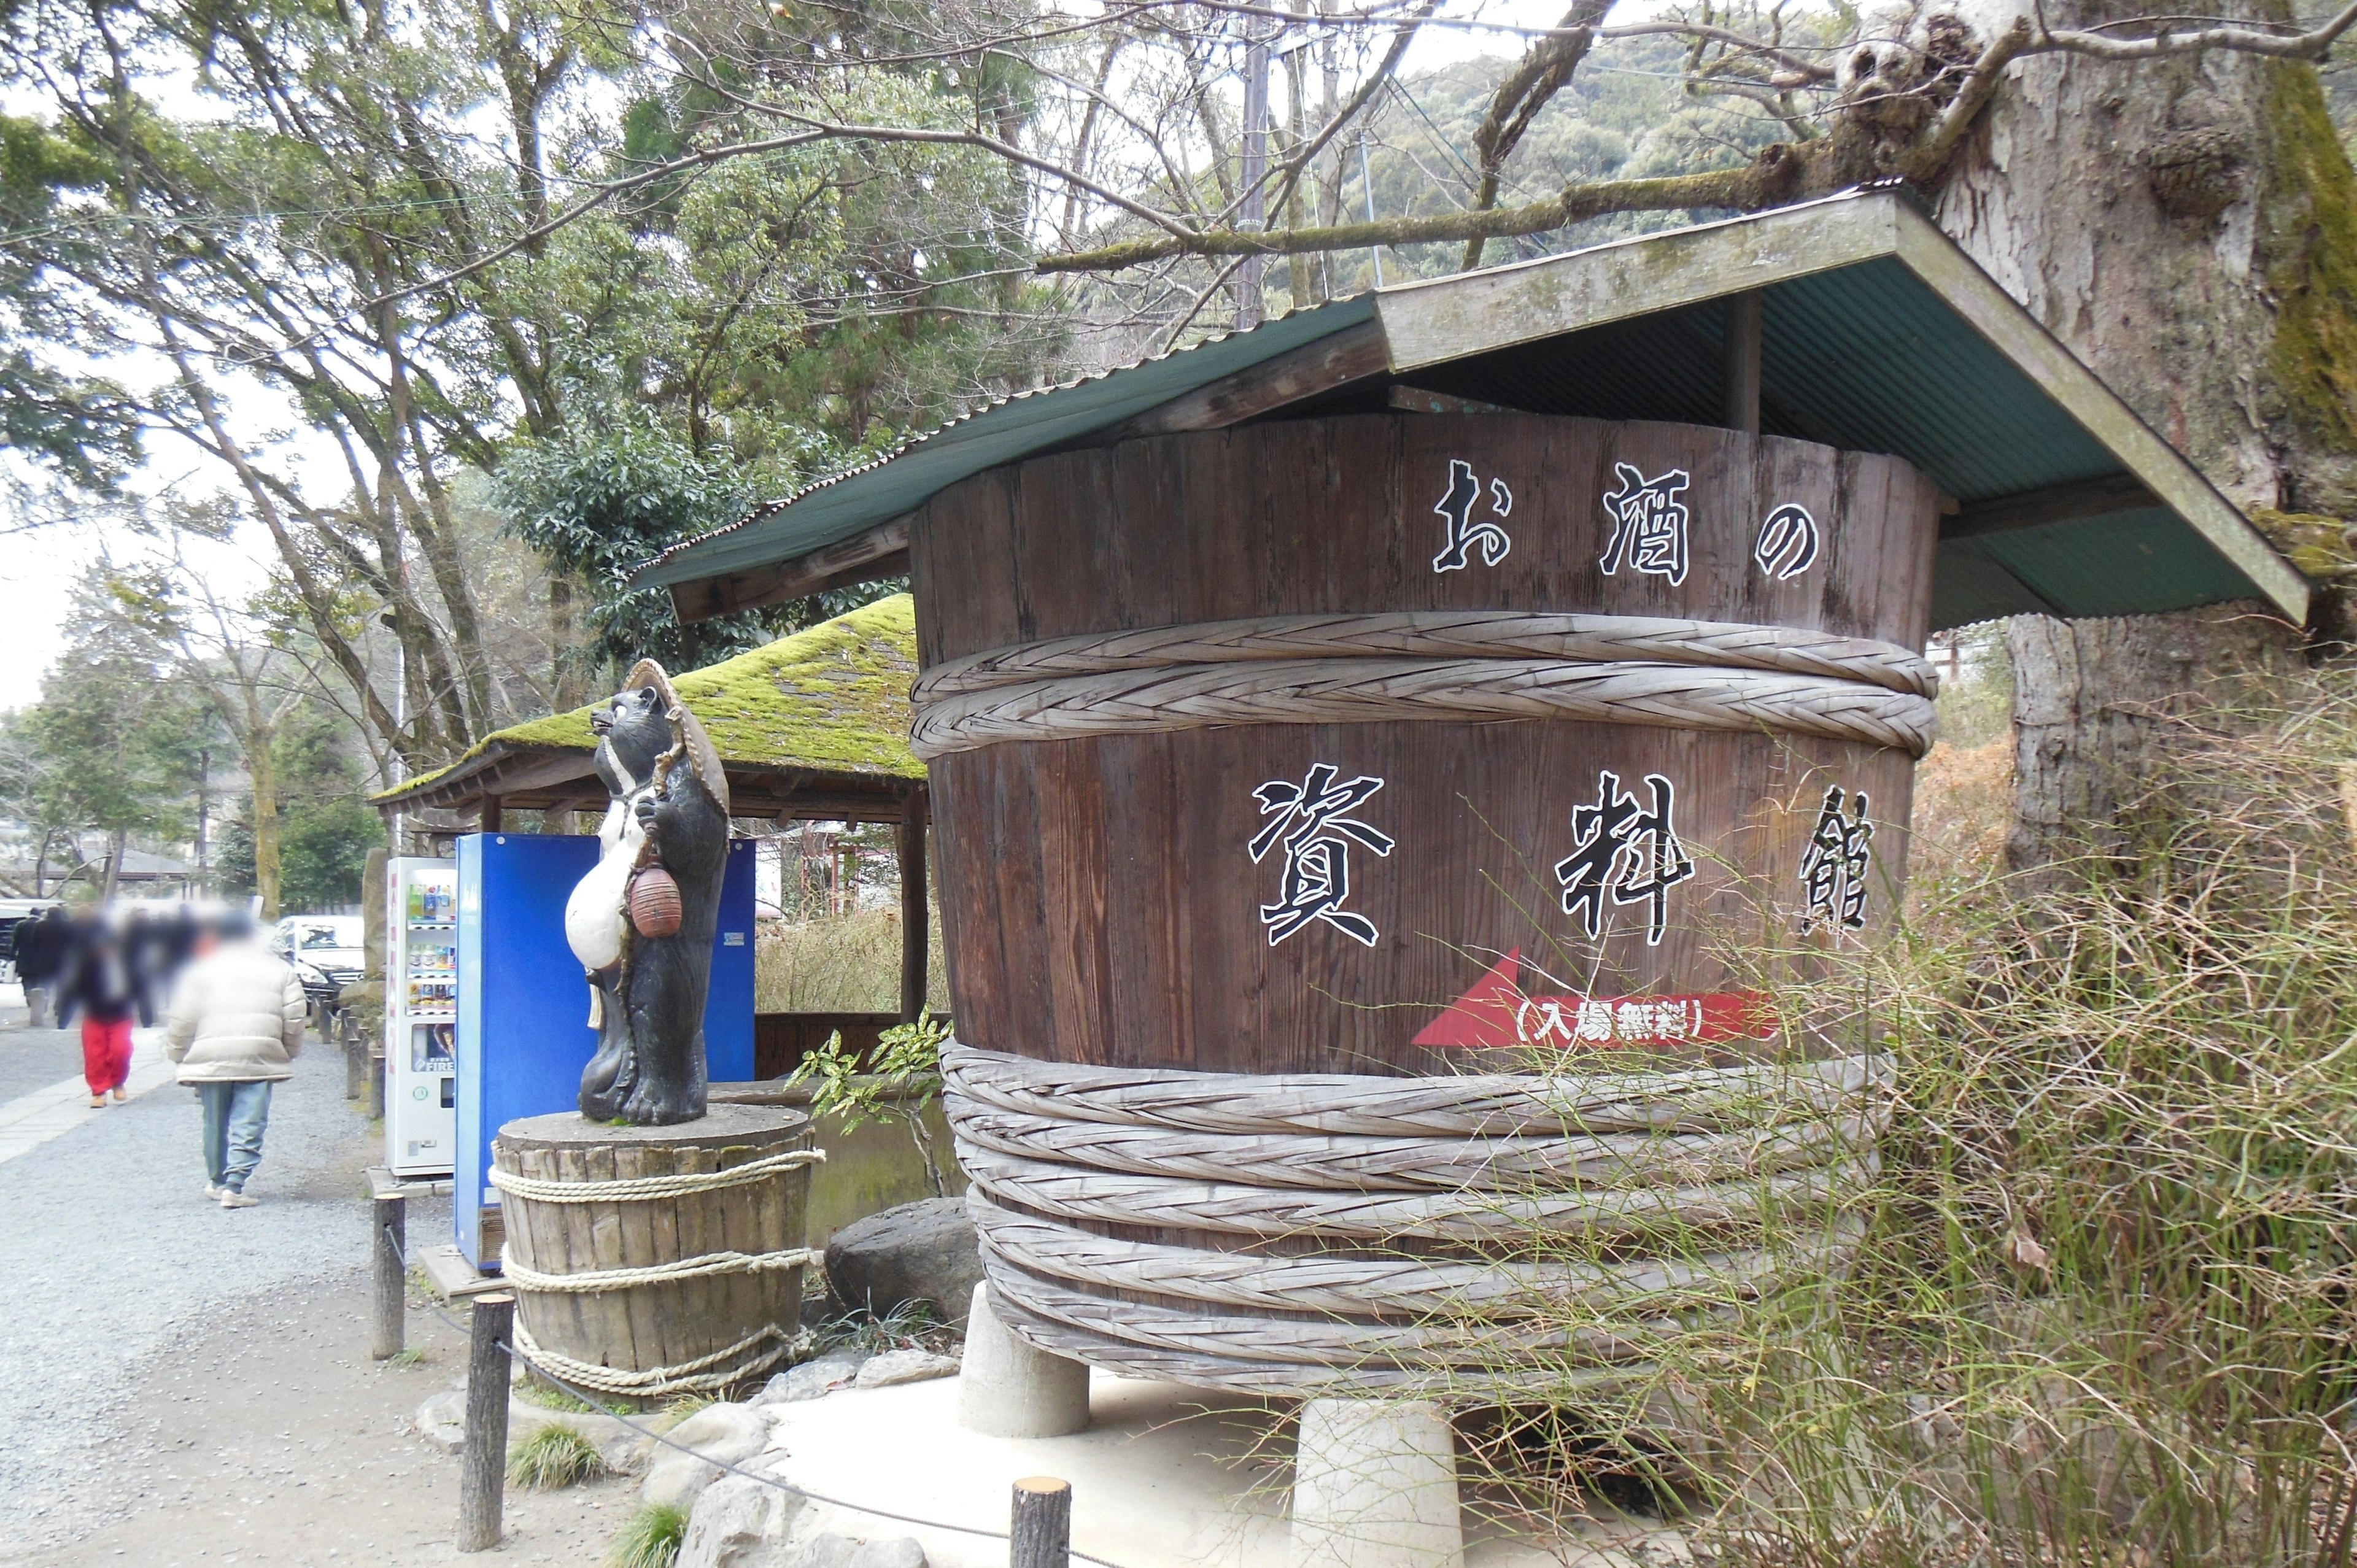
{"type": "Point", "coordinates": [2189, 228]}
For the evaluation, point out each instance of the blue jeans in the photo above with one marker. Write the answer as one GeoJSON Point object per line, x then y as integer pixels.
{"type": "Point", "coordinates": [235, 1114]}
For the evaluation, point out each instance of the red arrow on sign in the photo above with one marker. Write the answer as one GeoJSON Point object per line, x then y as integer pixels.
{"type": "Point", "coordinates": [1498, 1014]}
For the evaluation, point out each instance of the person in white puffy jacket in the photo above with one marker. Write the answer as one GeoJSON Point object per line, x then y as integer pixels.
{"type": "Point", "coordinates": [235, 1028]}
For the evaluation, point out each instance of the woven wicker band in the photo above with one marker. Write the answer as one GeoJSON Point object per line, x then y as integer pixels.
{"type": "Point", "coordinates": [1472, 665]}
{"type": "Point", "coordinates": [1440, 633]}
{"type": "Point", "coordinates": [1276, 1232]}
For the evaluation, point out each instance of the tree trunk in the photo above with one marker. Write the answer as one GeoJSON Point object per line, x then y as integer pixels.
{"type": "Point", "coordinates": [2189, 228]}
{"type": "Point", "coordinates": [2094, 698]}
{"type": "Point", "coordinates": [114, 845]}
{"type": "Point", "coordinates": [264, 770]}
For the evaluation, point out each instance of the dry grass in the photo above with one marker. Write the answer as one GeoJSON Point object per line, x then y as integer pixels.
{"type": "Point", "coordinates": [846, 963]}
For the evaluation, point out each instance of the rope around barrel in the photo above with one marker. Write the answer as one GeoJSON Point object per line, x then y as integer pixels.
{"type": "Point", "coordinates": [536, 1189]}
{"type": "Point", "coordinates": [1478, 666]}
{"type": "Point", "coordinates": [707, 1265]}
{"type": "Point", "coordinates": [769, 1345]}
{"type": "Point", "coordinates": [1466, 634]}
{"type": "Point", "coordinates": [1365, 691]}
{"type": "Point", "coordinates": [1327, 1183]}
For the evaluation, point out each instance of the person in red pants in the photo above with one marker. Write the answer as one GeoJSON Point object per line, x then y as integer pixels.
{"type": "Point", "coordinates": [104, 989]}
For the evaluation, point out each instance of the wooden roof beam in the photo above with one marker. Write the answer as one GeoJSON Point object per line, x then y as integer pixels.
{"type": "Point", "coordinates": [2106, 495]}
{"type": "Point", "coordinates": [1335, 361]}
{"type": "Point", "coordinates": [878, 552]}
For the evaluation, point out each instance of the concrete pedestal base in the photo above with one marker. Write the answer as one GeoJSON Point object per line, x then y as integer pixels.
{"type": "Point", "coordinates": [1007, 1388]}
{"type": "Point", "coordinates": [1374, 1486]}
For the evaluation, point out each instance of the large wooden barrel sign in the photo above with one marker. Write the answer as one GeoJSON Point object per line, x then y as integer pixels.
{"type": "Point", "coordinates": [1359, 838]}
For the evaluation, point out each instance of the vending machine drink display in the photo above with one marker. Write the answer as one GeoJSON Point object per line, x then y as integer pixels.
{"type": "Point", "coordinates": [421, 1017]}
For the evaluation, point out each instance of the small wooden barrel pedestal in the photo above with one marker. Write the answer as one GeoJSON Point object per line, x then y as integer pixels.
{"type": "Point", "coordinates": [650, 1263]}
{"type": "Point", "coordinates": [1356, 834]}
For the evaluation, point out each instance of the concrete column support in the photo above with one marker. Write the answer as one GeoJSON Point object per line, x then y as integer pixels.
{"type": "Point", "coordinates": [1374, 1486]}
{"type": "Point", "coordinates": [1010, 1389]}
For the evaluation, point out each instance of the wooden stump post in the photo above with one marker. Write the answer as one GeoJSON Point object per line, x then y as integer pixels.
{"type": "Point", "coordinates": [483, 1468]}
{"type": "Point", "coordinates": [388, 1328]}
{"type": "Point", "coordinates": [1039, 1533]}
{"type": "Point", "coordinates": [643, 1274]}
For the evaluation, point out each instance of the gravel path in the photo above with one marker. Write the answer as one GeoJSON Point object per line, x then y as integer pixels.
{"type": "Point", "coordinates": [109, 1253]}
{"type": "Point", "coordinates": [32, 1059]}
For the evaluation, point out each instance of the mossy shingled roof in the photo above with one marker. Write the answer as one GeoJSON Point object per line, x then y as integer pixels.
{"type": "Point", "coordinates": [832, 700]}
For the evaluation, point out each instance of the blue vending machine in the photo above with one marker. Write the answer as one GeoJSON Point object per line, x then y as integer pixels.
{"type": "Point", "coordinates": [524, 1006]}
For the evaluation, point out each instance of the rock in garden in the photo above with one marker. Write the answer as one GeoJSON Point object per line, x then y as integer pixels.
{"type": "Point", "coordinates": [900, 1551]}
{"type": "Point", "coordinates": [442, 1419]}
{"type": "Point", "coordinates": [738, 1523]}
{"type": "Point", "coordinates": [811, 1380]}
{"type": "Point", "coordinates": [729, 1433]}
{"type": "Point", "coordinates": [829, 1551]}
{"type": "Point", "coordinates": [904, 1366]}
{"type": "Point", "coordinates": [922, 1251]}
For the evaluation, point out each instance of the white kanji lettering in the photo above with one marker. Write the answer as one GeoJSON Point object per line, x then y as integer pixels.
{"type": "Point", "coordinates": [1837, 866]}
{"type": "Point", "coordinates": [1311, 821]}
{"type": "Point", "coordinates": [1648, 524]}
{"type": "Point", "coordinates": [1456, 507]}
{"type": "Point", "coordinates": [1625, 851]}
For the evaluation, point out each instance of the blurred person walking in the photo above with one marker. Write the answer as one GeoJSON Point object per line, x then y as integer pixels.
{"type": "Point", "coordinates": [44, 951]}
{"type": "Point", "coordinates": [103, 986]}
{"type": "Point", "coordinates": [235, 1027]}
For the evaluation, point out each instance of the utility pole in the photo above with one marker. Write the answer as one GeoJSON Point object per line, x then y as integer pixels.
{"type": "Point", "coordinates": [1255, 214]}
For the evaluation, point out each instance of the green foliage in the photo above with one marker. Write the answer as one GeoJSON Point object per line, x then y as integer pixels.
{"type": "Point", "coordinates": [874, 1333]}
{"type": "Point", "coordinates": [82, 429]}
{"type": "Point", "coordinates": [899, 1083]}
{"type": "Point", "coordinates": [650, 1538]}
{"type": "Point", "coordinates": [325, 829]}
{"type": "Point", "coordinates": [117, 740]}
{"type": "Point", "coordinates": [781, 317]}
{"type": "Point", "coordinates": [553, 1457]}
{"type": "Point", "coordinates": [597, 503]}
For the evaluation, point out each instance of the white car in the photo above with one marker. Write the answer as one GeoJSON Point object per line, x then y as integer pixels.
{"type": "Point", "coordinates": [326, 951]}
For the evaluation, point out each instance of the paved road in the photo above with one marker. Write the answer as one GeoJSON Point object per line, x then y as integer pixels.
{"type": "Point", "coordinates": [109, 1254]}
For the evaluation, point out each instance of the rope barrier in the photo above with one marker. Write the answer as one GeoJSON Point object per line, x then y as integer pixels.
{"type": "Point", "coordinates": [529, 1358]}
{"type": "Point", "coordinates": [638, 1189]}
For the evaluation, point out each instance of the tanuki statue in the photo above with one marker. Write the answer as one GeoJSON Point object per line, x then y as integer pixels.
{"type": "Point", "coordinates": [642, 922]}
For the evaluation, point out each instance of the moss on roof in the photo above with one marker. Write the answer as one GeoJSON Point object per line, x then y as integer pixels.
{"type": "Point", "coordinates": [833, 699]}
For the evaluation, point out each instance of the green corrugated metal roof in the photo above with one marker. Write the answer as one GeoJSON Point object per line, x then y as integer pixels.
{"type": "Point", "coordinates": [1880, 335]}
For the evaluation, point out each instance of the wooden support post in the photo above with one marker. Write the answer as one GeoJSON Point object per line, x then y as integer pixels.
{"type": "Point", "coordinates": [492, 804]}
{"type": "Point", "coordinates": [1742, 333]}
{"type": "Point", "coordinates": [1040, 1532]}
{"type": "Point", "coordinates": [483, 1466]}
{"type": "Point", "coordinates": [915, 913]}
{"type": "Point", "coordinates": [388, 1329]}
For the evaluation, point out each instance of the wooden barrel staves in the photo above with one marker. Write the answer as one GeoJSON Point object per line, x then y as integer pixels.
{"type": "Point", "coordinates": [650, 1263]}
{"type": "Point", "coordinates": [1343, 823]}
